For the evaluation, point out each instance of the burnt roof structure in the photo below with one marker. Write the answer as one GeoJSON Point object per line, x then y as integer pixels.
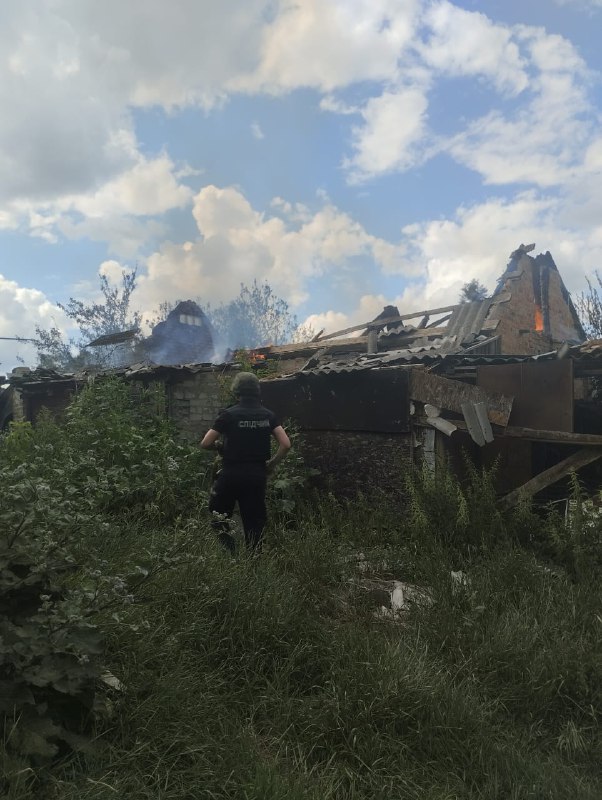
{"type": "Point", "coordinates": [184, 337]}
{"type": "Point", "coordinates": [530, 313]}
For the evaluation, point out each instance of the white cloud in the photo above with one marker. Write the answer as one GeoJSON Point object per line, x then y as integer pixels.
{"type": "Point", "coordinates": [70, 74]}
{"type": "Point", "coordinates": [116, 213]}
{"type": "Point", "coordinates": [369, 306]}
{"type": "Point", "coordinates": [238, 244]}
{"type": "Point", "coordinates": [331, 103]}
{"type": "Point", "coordinates": [476, 242]}
{"type": "Point", "coordinates": [327, 45]}
{"type": "Point", "coordinates": [23, 309]}
{"type": "Point", "coordinates": [328, 321]}
{"type": "Point", "coordinates": [464, 42]}
{"type": "Point", "coordinates": [394, 124]}
{"type": "Point", "coordinates": [542, 143]}
{"type": "Point", "coordinates": [539, 140]}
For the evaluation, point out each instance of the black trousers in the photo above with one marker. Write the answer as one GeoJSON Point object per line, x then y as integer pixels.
{"type": "Point", "coordinates": [245, 486]}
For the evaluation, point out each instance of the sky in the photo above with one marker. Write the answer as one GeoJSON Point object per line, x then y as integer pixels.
{"type": "Point", "coordinates": [351, 153]}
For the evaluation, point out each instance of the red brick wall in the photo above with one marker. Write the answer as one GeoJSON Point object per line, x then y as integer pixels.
{"type": "Point", "coordinates": [517, 315]}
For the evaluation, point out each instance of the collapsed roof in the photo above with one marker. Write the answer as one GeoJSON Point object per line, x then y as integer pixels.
{"type": "Point", "coordinates": [530, 313]}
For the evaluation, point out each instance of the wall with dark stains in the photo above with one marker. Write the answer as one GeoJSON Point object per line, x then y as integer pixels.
{"type": "Point", "coordinates": [359, 462]}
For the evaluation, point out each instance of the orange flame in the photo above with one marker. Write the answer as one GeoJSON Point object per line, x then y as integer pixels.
{"type": "Point", "coordinates": [256, 358]}
{"type": "Point", "coordinates": [538, 319]}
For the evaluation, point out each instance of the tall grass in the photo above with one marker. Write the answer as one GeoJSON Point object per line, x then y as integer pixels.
{"type": "Point", "coordinates": [273, 678]}
{"type": "Point", "coordinates": [264, 678]}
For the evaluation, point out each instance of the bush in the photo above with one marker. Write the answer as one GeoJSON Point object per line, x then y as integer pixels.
{"type": "Point", "coordinates": [275, 677]}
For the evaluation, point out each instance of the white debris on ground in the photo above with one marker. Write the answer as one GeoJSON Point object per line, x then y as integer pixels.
{"type": "Point", "coordinates": [402, 596]}
{"type": "Point", "coordinates": [393, 598]}
{"type": "Point", "coordinates": [111, 681]}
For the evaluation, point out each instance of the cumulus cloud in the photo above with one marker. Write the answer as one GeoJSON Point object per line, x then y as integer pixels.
{"type": "Point", "coordinates": [394, 125]}
{"type": "Point", "coordinates": [538, 139]}
{"type": "Point", "coordinates": [70, 162]}
{"type": "Point", "coordinates": [542, 142]}
{"type": "Point", "coordinates": [478, 239]}
{"type": "Point", "coordinates": [257, 131]}
{"type": "Point", "coordinates": [70, 75]}
{"type": "Point", "coordinates": [328, 45]}
{"type": "Point", "coordinates": [412, 299]}
{"type": "Point", "coordinates": [476, 242]}
{"type": "Point", "coordinates": [121, 212]}
{"type": "Point", "coordinates": [460, 42]}
{"type": "Point", "coordinates": [23, 309]}
{"type": "Point", "coordinates": [237, 244]}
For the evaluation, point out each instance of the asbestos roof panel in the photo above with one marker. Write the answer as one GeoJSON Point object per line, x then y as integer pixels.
{"type": "Point", "coordinates": [590, 350]}
{"type": "Point", "coordinates": [397, 330]}
{"type": "Point", "coordinates": [467, 320]}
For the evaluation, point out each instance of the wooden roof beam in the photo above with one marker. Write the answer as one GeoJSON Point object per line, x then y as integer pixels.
{"type": "Point", "coordinates": [381, 323]}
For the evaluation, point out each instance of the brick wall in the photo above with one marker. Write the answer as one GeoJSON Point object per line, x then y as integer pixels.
{"type": "Point", "coordinates": [194, 400]}
{"type": "Point", "coordinates": [516, 314]}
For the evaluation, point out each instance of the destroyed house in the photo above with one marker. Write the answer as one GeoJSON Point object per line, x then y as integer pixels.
{"type": "Point", "coordinates": [507, 378]}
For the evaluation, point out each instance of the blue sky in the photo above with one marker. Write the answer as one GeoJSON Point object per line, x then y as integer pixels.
{"type": "Point", "coordinates": [350, 152]}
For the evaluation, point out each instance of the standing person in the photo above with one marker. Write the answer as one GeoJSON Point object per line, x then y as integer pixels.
{"type": "Point", "coordinates": [246, 429]}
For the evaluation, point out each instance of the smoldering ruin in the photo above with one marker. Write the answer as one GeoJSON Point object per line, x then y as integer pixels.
{"type": "Point", "coordinates": [510, 379]}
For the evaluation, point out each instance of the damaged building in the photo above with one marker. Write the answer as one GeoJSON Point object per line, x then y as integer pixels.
{"type": "Point", "coordinates": [505, 379]}
{"type": "Point", "coordinates": [184, 337]}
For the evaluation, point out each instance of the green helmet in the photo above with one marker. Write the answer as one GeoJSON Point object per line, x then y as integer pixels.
{"type": "Point", "coordinates": [245, 384]}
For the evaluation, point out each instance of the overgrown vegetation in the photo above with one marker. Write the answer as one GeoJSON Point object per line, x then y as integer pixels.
{"type": "Point", "coordinates": [589, 306]}
{"type": "Point", "coordinates": [274, 678]}
{"type": "Point", "coordinates": [255, 317]}
{"type": "Point", "coordinates": [111, 315]}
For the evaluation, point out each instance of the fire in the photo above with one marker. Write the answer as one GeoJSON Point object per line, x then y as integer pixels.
{"type": "Point", "coordinates": [256, 358]}
{"type": "Point", "coordinates": [538, 319]}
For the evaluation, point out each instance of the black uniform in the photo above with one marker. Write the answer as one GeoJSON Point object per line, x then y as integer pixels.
{"type": "Point", "coordinates": [246, 430]}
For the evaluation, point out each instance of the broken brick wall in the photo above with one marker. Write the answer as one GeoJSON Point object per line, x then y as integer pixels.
{"type": "Point", "coordinates": [534, 297]}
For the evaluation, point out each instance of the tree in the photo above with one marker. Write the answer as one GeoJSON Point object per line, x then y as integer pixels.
{"type": "Point", "coordinates": [472, 292]}
{"type": "Point", "coordinates": [255, 318]}
{"type": "Point", "coordinates": [589, 308]}
{"type": "Point", "coordinates": [93, 320]}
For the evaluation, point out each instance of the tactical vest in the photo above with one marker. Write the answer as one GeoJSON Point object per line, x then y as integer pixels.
{"type": "Point", "coordinates": [248, 436]}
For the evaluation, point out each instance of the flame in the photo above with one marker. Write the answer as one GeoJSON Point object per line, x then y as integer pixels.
{"type": "Point", "coordinates": [538, 319]}
{"type": "Point", "coordinates": [256, 358]}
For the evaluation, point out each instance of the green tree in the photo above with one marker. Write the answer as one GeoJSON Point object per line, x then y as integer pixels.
{"type": "Point", "coordinates": [472, 292]}
{"type": "Point", "coordinates": [255, 318]}
{"type": "Point", "coordinates": [589, 307]}
{"type": "Point", "coordinates": [113, 314]}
